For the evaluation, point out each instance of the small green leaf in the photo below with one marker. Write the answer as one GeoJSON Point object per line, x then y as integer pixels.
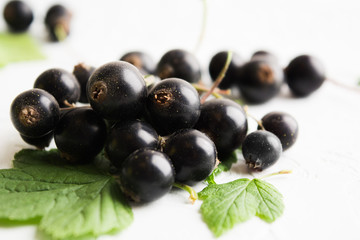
{"type": "Point", "coordinates": [18, 47]}
{"type": "Point", "coordinates": [271, 205]}
{"type": "Point", "coordinates": [67, 201]}
{"type": "Point", "coordinates": [225, 205]}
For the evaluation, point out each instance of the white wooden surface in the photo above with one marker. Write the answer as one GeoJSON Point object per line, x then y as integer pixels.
{"type": "Point", "coordinates": [321, 196]}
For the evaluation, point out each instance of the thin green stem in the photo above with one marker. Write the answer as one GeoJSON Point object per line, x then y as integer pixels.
{"type": "Point", "coordinates": [219, 78]}
{"type": "Point", "coordinates": [259, 122]}
{"type": "Point", "coordinates": [60, 32]}
{"type": "Point", "coordinates": [200, 88]}
{"type": "Point", "coordinates": [276, 173]}
{"type": "Point", "coordinates": [193, 195]}
{"type": "Point", "coordinates": [203, 27]}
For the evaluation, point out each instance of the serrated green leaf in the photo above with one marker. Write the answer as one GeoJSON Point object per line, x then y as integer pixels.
{"type": "Point", "coordinates": [18, 47]}
{"type": "Point", "coordinates": [271, 204]}
{"type": "Point", "coordinates": [67, 201]}
{"type": "Point", "coordinates": [225, 205]}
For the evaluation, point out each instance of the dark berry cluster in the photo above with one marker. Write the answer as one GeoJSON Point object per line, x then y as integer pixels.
{"type": "Point", "coordinates": [260, 79]}
{"type": "Point", "coordinates": [19, 16]}
{"type": "Point", "coordinates": [153, 134]}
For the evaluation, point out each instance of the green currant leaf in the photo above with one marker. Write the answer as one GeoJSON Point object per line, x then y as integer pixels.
{"type": "Point", "coordinates": [271, 205]}
{"type": "Point", "coordinates": [18, 47]}
{"type": "Point", "coordinates": [225, 205]}
{"type": "Point", "coordinates": [66, 201]}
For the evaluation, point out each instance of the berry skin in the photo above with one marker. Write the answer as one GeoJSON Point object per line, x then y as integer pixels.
{"type": "Point", "coordinates": [261, 149]}
{"type": "Point", "coordinates": [225, 122]}
{"type": "Point", "coordinates": [39, 142]}
{"type": "Point", "coordinates": [179, 64]}
{"type": "Point", "coordinates": [61, 84]}
{"type": "Point", "coordinates": [80, 134]}
{"type": "Point", "coordinates": [262, 55]}
{"type": "Point", "coordinates": [124, 139]}
{"type": "Point", "coordinates": [34, 113]}
{"type": "Point", "coordinates": [217, 63]}
{"type": "Point", "coordinates": [172, 104]}
{"type": "Point", "coordinates": [146, 175]}
{"type": "Point", "coordinates": [117, 91]}
{"type": "Point", "coordinates": [141, 60]}
{"type": "Point", "coordinates": [283, 125]}
{"type": "Point", "coordinates": [18, 16]}
{"type": "Point", "coordinates": [82, 72]}
{"type": "Point", "coordinates": [57, 21]}
{"type": "Point", "coordinates": [193, 155]}
{"type": "Point", "coordinates": [259, 81]}
{"type": "Point", "coordinates": [304, 75]}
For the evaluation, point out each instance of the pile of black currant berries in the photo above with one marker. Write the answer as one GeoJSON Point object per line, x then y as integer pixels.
{"type": "Point", "coordinates": [155, 135]}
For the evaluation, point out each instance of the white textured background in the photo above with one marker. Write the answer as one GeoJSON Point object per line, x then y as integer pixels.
{"type": "Point", "coordinates": [322, 195]}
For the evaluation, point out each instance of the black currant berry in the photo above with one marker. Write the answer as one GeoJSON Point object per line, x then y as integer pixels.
{"type": "Point", "coordinates": [217, 63]}
{"type": "Point", "coordinates": [193, 155]}
{"type": "Point", "coordinates": [57, 21]}
{"type": "Point", "coordinates": [124, 139]}
{"type": "Point", "coordinates": [266, 56]}
{"type": "Point", "coordinates": [82, 72]}
{"type": "Point", "coordinates": [18, 15]}
{"type": "Point", "coordinates": [259, 81]}
{"type": "Point", "coordinates": [80, 134]}
{"type": "Point", "coordinates": [61, 84]}
{"type": "Point", "coordinates": [283, 125]}
{"type": "Point", "coordinates": [39, 142]}
{"type": "Point", "coordinates": [146, 175]}
{"type": "Point", "coordinates": [172, 104]}
{"type": "Point", "coordinates": [304, 75]}
{"type": "Point", "coordinates": [261, 149]}
{"type": "Point", "coordinates": [179, 64]}
{"type": "Point", "coordinates": [117, 91]}
{"type": "Point", "coordinates": [225, 122]}
{"type": "Point", "coordinates": [141, 60]}
{"type": "Point", "coordinates": [34, 113]}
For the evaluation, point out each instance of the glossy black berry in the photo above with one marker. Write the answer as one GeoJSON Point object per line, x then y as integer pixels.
{"type": "Point", "coordinates": [172, 104]}
{"type": "Point", "coordinates": [18, 15]}
{"type": "Point", "coordinates": [283, 125]}
{"type": "Point", "coordinates": [217, 63]}
{"type": "Point", "coordinates": [263, 55]}
{"type": "Point", "coordinates": [225, 122]}
{"type": "Point", "coordinates": [34, 113]}
{"type": "Point", "coordinates": [261, 149]}
{"type": "Point", "coordinates": [193, 155]}
{"type": "Point", "coordinates": [146, 175]}
{"type": "Point", "coordinates": [61, 84]}
{"type": "Point", "coordinates": [141, 60]}
{"type": "Point", "coordinates": [179, 64]}
{"type": "Point", "coordinates": [124, 138]}
{"type": "Point", "coordinates": [117, 91]}
{"type": "Point", "coordinates": [39, 142]}
{"type": "Point", "coordinates": [80, 134]}
{"type": "Point", "coordinates": [57, 21]}
{"type": "Point", "coordinates": [82, 72]}
{"type": "Point", "coordinates": [259, 81]}
{"type": "Point", "coordinates": [304, 75]}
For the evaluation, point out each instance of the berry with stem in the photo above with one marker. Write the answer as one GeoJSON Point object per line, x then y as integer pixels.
{"type": "Point", "coordinates": [261, 149]}
{"type": "Point", "coordinates": [34, 113]}
{"type": "Point", "coordinates": [146, 175]}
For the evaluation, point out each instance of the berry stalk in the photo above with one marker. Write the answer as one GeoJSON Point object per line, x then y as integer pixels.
{"type": "Point", "coordinates": [193, 195]}
{"type": "Point", "coordinates": [219, 78]}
